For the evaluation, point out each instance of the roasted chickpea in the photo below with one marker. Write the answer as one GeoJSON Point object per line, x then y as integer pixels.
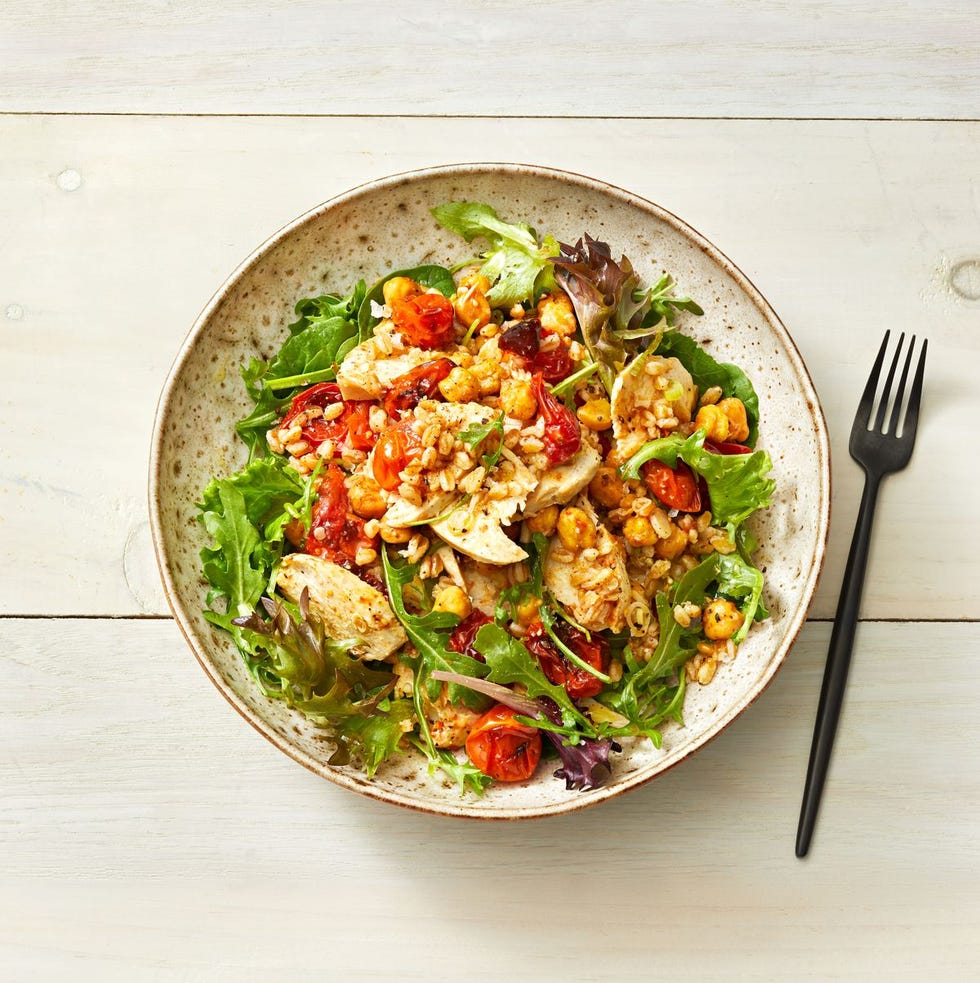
{"type": "Point", "coordinates": [527, 611]}
{"type": "Point", "coordinates": [607, 488]}
{"type": "Point", "coordinates": [487, 375]}
{"type": "Point", "coordinates": [453, 600]}
{"type": "Point", "coordinates": [556, 314]}
{"type": "Point", "coordinates": [738, 421]}
{"type": "Point", "coordinates": [517, 400]}
{"type": "Point", "coordinates": [460, 386]}
{"type": "Point", "coordinates": [394, 535]}
{"type": "Point", "coordinates": [638, 532]}
{"type": "Point", "coordinates": [365, 498]}
{"type": "Point", "coordinates": [399, 288]}
{"type": "Point", "coordinates": [721, 619]}
{"type": "Point", "coordinates": [596, 414]}
{"type": "Point", "coordinates": [544, 521]}
{"type": "Point", "coordinates": [673, 545]}
{"type": "Point", "coordinates": [575, 529]}
{"type": "Point", "coordinates": [470, 301]}
{"type": "Point", "coordinates": [714, 422]}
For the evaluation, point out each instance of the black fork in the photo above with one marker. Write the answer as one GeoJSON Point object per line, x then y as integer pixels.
{"type": "Point", "coordinates": [880, 450]}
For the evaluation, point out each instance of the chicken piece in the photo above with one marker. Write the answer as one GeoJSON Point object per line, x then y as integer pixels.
{"type": "Point", "coordinates": [562, 484]}
{"type": "Point", "coordinates": [636, 391]}
{"type": "Point", "coordinates": [367, 372]}
{"type": "Point", "coordinates": [475, 527]}
{"type": "Point", "coordinates": [345, 605]}
{"type": "Point", "coordinates": [592, 583]}
{"type": "Point", "coordinates": [449, 725]}
{"type": "Point", "coordinates": [402, 513]}
{"type": "Point", "coordinates": [484, 584]}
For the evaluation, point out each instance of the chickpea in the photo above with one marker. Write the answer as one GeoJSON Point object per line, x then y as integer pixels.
{"type": "Point", "coordinates": [394, 535]}
{"type": "Point", "coordinates": [596, 414]}
{"type": "Point", "coordinates": [470, 301]}
{"type": "Point", "coordinates": [575, 529]}
{"type": "Point", "coordinates": [673, 545]}
{"type": "Point", "coordinates": [713, 420]}
{"type": "Point", "coordinates": [487, 375]}
{"type": "Point", "coordinates": [399, 288]}
{"type": "Point", "coordinates": [738, 422]}
{"type": "Point", "coordinates": [721, 619]}
{"type": "Point", "coordinates": [365, 498]}
{"type": "Point", "coordinates": [544, 521]}
{"type": "Point", "coordinates": [556, 314]}
{"type": "Point", "coordinates": [460, 386]}
{"type": "Point", "coordinates": [638, 531]}
{"type": "Point", "coordinates": [453, 600]}
{"type": "Point", "coordinates": [527, 611]}
{"type": "Point", "coordinates": [607, 488]}
{"type": "Point", "coordinates": [517, 400]}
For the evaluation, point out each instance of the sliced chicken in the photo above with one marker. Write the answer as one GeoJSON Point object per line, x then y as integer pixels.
{"type": "Point", "coordinates": [592, 583]}
{"type": "Point", "coordinates": [562, 484]}
{"type": "Point", "coordinates": [345, 605]}
{"type": "Point", "coordinates": [367, 372]}
{"type": "Point", "coordinates": [636, 390]}
{"type": "Point", "coordinates": [484, 584]}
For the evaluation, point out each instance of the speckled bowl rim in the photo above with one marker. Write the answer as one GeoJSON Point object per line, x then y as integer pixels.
{"type": "Point", "coordinates": [574, 802]}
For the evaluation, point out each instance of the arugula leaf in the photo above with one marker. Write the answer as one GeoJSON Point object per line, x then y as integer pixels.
{"type": "Point", "coordinates": [474, 435]}
{"type": "Point", "coordinates": [741, 581]}
{"type": "Point", "coordinates": [706, 372]}
{"type": "Point", "coordinates": [663, 305]}
{"type": "Point", "coordinates": [425, 633]}
{"type": "Point", "coordinates": [429, 275]}
{"type": "Point", "coordinates": [737, 485]}
{"type": "Point", "coordinates": [318, 676]}
{"type": "Point", "coordinates": [516, 265]}
{"type": "Point", "coordinates": [325, 332]}
{"type": "Point", "coordinates": [510, 662]}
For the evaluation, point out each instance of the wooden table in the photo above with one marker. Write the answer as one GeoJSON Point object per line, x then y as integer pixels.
{"type": "Point", "coordinates": [146, 833]}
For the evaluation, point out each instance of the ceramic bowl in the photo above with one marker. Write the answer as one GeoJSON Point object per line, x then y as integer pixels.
{"type": "Point", "coordinates": [384, 225]}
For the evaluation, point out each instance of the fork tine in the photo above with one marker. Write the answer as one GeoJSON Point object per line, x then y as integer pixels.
{"type": "Point", "coordinates": [912, 413]}
{"type": "Point", "coordinates": [886, 390]}
{"type": "Point", "coordinates": [899, 395]}
{"type": "Point", "coordinates": [868, 397]}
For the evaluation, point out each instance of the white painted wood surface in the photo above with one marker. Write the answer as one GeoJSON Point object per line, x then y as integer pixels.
{"type": "Point", "coordinates": [146, 833]}
{"type": "Point", "coordinates": [821, 58]}
{"type": "Point", "coordinates": [848, 228]}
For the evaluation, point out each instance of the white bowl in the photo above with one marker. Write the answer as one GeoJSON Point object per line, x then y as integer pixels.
{"type": "Point", "coordinates": [386, 225]}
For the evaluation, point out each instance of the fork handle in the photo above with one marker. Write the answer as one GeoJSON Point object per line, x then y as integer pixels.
{"type": "Point", "coordinates": [838, 662]}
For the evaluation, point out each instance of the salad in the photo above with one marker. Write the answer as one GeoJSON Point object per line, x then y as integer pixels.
{"type": "Point", "coordinates": [493, 514]}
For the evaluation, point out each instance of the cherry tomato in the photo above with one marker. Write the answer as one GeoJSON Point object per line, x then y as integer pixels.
{"type": "Point", "coordinates": [397, 446]}
{"type": "Point", "coordinates": [342, 532]}
{"type": "Point", "coordinates": [553, 365]}
{"type": "Point", "coordinates": [522, 338]}
{"type": "Point", "coordinates": [464, 634]}
{"type": "Point", "coordinates": [559, 669]}
{"type": "Point", "coordinates": [562, 435]}
{"type": "Point", "coordinates": [726, 447]}
{"type": "Point", "coordinates": [502, 748]}
{"type": "Point", "coordinates": [426, 320]}
{"type": "Point", "coordinates": [350, 428]}
{"type": "Point", "coordinates": [677, 488]}
{"type": "Point", "coordinates": [408, 390]}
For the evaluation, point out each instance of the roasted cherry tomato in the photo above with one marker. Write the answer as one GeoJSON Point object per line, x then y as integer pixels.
{"type": "Point", "coordinates": [559, 669]}
{"type": "Point", "coordinates": [502, 748]}
{"type": "Point", "coordinates": [464, 634]}
{"type": "Point", "coordinates": [336, 533]}
{"type": "Point", "coordinates": [408, 390]}
{"type": "Point", "coordinates": [726, 447]}
{"type": "Point", "coordinates": [562, 435]}
{"type": "Point", "coordinates": [677, 488]}
{"type": "Point", "coordinates": [524, 339]}
{"type": "Point", "coordinates": [425, 320]}
{"type": "Point", "coordinates": [553, 365]}
{"type": "Point", "coordinates": [397, 446]}
{"type": "Point", "coordinates": [350, 427]}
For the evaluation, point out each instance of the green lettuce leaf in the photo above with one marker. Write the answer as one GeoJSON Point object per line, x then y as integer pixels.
{"type": "Point", "coordinates": [431, 275]}
{"type": "Point", "coordinates": [737, 484]}
{"type": "Point", "coordinates": [742, 582]}
{"type": "Point", "coordinates": [517, 266]}
{"type": "Point", "coordinates": [706, 372]}
{"type": "Point", "coordinates": [426, 633]}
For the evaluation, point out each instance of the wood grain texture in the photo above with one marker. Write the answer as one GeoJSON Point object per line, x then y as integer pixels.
{"type": "Point", "coordinates": [115, 231]}
{"type": "Point", "coordinates": [147, 833]}
{"type": "Point", "coordinates": [822, 58]}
